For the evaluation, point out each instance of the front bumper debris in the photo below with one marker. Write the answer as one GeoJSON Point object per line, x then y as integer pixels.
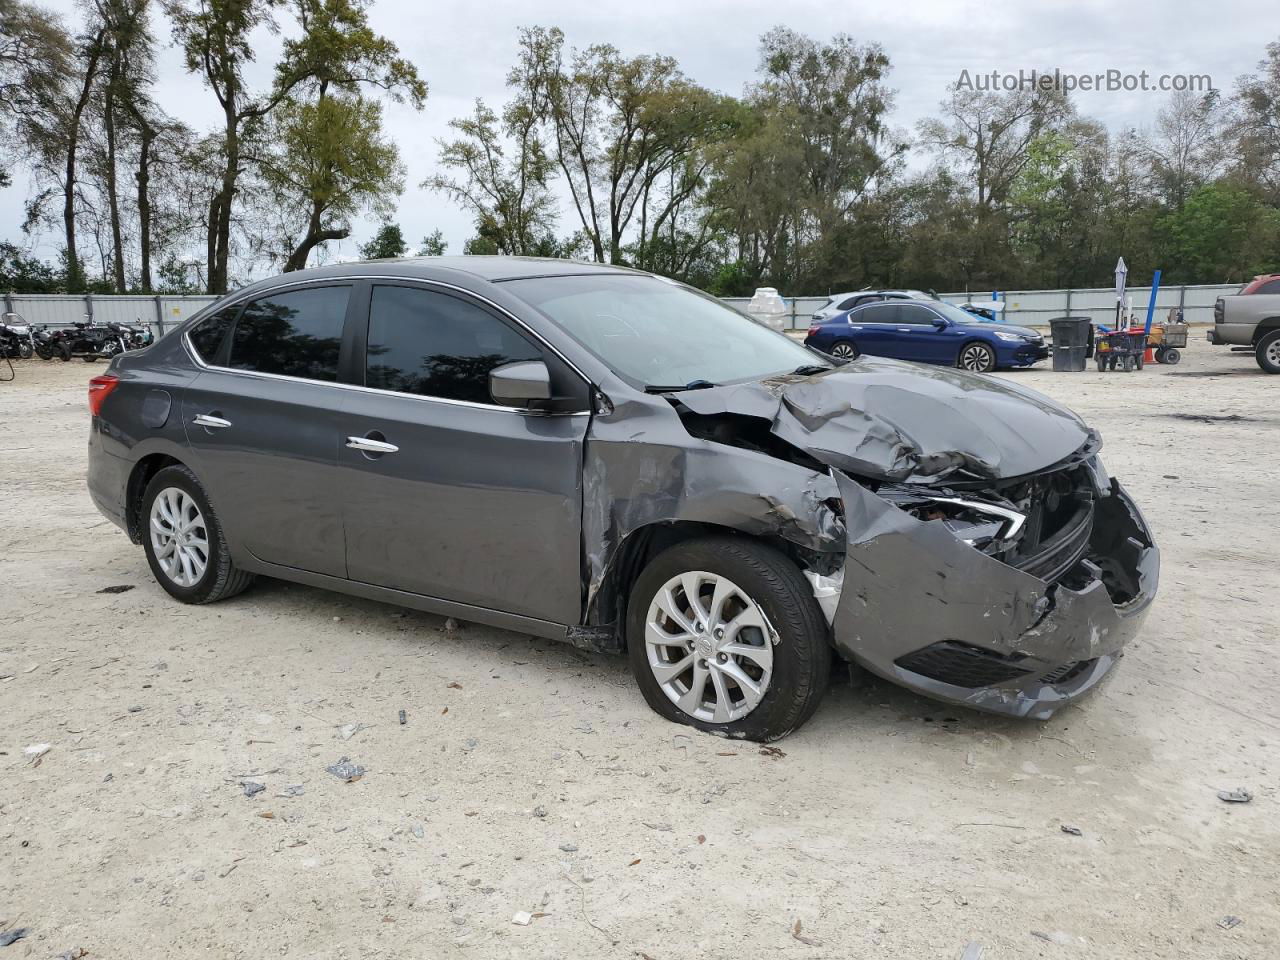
{"type": "Point", "coordinates": [929, 612]}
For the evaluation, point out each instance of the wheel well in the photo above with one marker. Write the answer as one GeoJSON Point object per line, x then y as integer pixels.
{"type": "Point", "coordinates": [1264, 327]}
{"type": "Point", "coordinates": [609, 605]}
{"type": "Point", "coordinates": [143, 471]}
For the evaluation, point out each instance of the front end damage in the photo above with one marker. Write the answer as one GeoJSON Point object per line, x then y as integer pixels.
{"type": "Point", "coordinates": [927, 608]}
{"type": "Point", "coordinates": [988, 559]}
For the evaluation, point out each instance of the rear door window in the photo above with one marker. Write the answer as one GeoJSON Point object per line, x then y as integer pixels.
{"type": "Point", "coordinates": [436, 345]}
{"type": "Point", "coordinates": [877, 313]}
{"type": "Point", "coordinates": [297, 333]}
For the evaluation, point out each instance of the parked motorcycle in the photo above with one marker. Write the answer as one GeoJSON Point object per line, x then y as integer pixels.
{"type": "Point", "coordinates": [91, 341]}
{"type": "Point", "coordinates": [15, 337]}
{"type": "Point", "coordinates": [45, 342]}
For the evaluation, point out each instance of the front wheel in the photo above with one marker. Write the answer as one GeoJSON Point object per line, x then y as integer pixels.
{"type": "Point", "coordinates": [1268, 352]}
{"type": "Point", "coordinates": [44, 352]}
{"type": "Point", "coordinates": [978, 357]}
{"type": "Point", "coordinates": [183, 540]}
{"type": "Point", "coordinates": [724, 634]}
{"type": "Point", "coordinates": [1171, 356]}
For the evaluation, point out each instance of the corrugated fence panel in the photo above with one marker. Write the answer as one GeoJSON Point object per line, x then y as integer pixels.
{"type": "Point", "coordinates": [1026, 307]}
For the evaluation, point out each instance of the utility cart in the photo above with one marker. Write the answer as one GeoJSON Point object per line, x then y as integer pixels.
{"type": "Point", "coordinates": [1120, 349]}
{"type": "Point", "coordinates": [1169, 339]}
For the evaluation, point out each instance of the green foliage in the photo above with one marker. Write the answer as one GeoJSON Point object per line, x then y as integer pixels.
{"type": "Point", "coordinates": [433, 245]}
{"type": "Point", "coordinates": [20, 273]}
{"type": "Point", "coordinates": [386, 244]}
{"type": "Point", "coordinates": [1222, 234]}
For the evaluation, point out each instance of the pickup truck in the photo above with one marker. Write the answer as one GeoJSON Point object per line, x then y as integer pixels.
{"type": "Point", "coordinates": [1251, 318]}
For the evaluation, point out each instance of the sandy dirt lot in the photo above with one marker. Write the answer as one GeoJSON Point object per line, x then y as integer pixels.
{"type": "Point", "coordinates": [530, 777]}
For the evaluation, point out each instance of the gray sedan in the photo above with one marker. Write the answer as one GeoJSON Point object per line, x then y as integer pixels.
{"type": "Point", "coordinates": [608, 458]}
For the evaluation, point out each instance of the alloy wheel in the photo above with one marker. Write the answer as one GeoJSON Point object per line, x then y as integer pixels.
{"type": "Point", "coordinates": [710, 646]}
{"type": "Point", "coordinates": [844, 351]}
{"type": "Point", "coordinates": [975, 357]}
{"type": "Point", "coordinates": [1273, 352]}
{"type": "Point", "coordinates": [179, 537]}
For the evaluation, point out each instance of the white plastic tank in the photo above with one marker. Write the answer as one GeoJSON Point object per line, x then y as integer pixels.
{"type": "Point", "coordinates": [768, 308]}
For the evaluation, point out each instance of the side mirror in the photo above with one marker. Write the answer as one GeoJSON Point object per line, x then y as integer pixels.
{"type": "Point", "coordinates": [520, 384]}
{"type": "Point", "coordinates": [941, 323]}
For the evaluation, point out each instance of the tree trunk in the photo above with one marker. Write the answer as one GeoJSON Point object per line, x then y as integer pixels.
{"type": "Point", "coordinates": [113, 199]}
{"type": "Point", "coordinates": [220, 227]}
{"type": "Point", "coordinates": [75, 278]}
{"type": "Point", "coordinates": [143, 179]}
{"type": "Point", "coordinates": [316, 235]}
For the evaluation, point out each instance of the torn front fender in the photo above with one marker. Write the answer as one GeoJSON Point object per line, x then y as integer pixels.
{"type": "Point", "coordinates": [641, 467]}
{"type": "Point", "coordinates": [924, 609]}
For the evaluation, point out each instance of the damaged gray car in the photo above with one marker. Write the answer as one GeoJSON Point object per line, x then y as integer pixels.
{"type": "Point", "coordinates": [602, 456]}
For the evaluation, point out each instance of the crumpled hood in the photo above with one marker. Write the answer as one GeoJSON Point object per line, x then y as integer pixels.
{"type": "Point", "coordinates": [884, 419]}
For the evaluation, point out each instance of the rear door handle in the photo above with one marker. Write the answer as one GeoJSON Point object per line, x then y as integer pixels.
{"type": "Point", "coordinates": [371, 446]}
{"type": "Point", "coordinates": [208, 420]}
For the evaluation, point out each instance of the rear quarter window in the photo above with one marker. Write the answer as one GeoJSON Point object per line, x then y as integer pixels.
{"type": "Point", "coordinates": [207, 335]}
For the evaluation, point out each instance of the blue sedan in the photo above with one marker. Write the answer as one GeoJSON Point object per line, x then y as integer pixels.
{"type": "Point", "coordinates": [928, 331]}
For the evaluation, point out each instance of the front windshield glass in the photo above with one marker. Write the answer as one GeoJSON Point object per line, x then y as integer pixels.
{"type": "Point", "coordinates": [654, 333]}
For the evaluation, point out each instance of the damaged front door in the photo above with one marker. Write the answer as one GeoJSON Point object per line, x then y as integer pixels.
{"type": "Point", "coordinates": [448, 494]}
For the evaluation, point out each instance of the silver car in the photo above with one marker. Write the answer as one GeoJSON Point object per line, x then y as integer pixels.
{"type": "Point", "coordinates": [604, 457]}
{"type": "Point", "coordinates": [844, 302]}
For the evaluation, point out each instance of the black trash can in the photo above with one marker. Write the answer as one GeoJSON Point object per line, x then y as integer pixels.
{"type": "Point", "coordinates": [1071, 342]}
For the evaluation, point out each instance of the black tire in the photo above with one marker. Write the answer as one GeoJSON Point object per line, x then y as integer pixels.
{"type": "Point", "coordinates": [1102, 362]}
{"type": "Point", "coordinates": [24, 350]}
{"type": "Point", "coordinates": [1158, 354]}
{"type": "Point", "coordinates": [986, 361]}
{"type": "Point", "coordinates": [845, 350]}
{"type": "Point", "coordinates": [1139, 360]}
{"type": "Point", "coordinates": [64, 354]}
{"type": "Point", "coordinates": [221, 578]}
{"type": "Point", "coordinates": [90, 358]}
{"type": "Point", "coordinates": [44, 352]}
{"type": "Point", "coordinates": [1267, 352]}
{"type": "Point", "coordinates": [1171, 356]}
{"type": "Point", "coordinates": [1128, 364]}
{"type": "Point", "coordinates": [801, 656]}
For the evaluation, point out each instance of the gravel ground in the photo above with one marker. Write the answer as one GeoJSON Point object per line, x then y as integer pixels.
{"type": "Point", "coordinates": [531, 777]}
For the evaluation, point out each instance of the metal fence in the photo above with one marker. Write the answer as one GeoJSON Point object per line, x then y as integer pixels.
{"type": "Point", "coordinates": [1031, 308]}
{"type": "Point", "coordinates": [160, 313]}
{"type": "Point", "coordinates": [1035, 308]}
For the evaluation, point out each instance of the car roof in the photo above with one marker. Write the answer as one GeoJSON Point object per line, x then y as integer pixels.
{"type": "Point", "coordinates": [447, 269]}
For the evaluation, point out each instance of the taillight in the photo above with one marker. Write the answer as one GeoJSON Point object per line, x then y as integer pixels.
{"type": "Point", "coordinates": [813, 331]}
{"type": "Point", "coordinates": [99, 388]}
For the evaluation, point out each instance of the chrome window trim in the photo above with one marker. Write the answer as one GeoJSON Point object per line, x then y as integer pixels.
{"type": "Point", "coordinates": [195, 357]}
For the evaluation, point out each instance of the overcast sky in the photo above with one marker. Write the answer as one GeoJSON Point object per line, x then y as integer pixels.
{"type": "Point", "coordinates": [463, 50]}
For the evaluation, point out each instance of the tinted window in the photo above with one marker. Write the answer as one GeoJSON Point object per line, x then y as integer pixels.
{"type": "Point", "coordinates": [1271, 286]}
{"type": "Point", "coordinates": [848, 303]}
{"type": "Point", "coordinates": [206, 336]}
{"type": "Point", "coordinates": [436, 345]}
{"type": "Point", "coordinates": [295, 334]}
{"type": "Point", "coordinates": [877, 313]}
{"type": "Point", "coordinates": [911, 313]}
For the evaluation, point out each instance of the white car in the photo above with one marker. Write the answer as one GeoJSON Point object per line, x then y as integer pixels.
{"type": "Point", "coordinates": [840, 302]}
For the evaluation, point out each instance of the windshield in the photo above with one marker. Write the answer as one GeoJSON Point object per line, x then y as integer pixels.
{"type": "Point", "coordinates": [655, 333]}
{"type": "Point", "coordinates": [952, 312]}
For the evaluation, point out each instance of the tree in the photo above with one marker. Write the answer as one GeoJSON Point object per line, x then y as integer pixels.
{"type": "Point", "coordinates": [617, 124]}
{"type": "Point", "coordinates": [386, 244]}
{"type": "Point", "coordinates": [1257, 125]}
{"type": "Point", "coordinates": [509, 196]}
{"type": "Point", "coordinates": [1222, 233]}
{"type": "Point", "coordinates": [433, 245]}
{"type": "Point", "coordinates": [1184, 150]}
{"type": "Point", "coordinates": [20, 273]}
{"type": "Point", "coordinates": [35, 61]}
{"type": "Point", "coordinates": [330, 162]}
{"type": "Point", "coordinates": [348, 166]}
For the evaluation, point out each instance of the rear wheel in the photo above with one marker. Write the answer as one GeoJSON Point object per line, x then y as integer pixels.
{"type": "Point", "coordinates": [724, 634]}
{"type": "Point", "coordinates": [1267, 352]}
{"type": "Point", "coordinates": [845, 350]}
{"type": "Point", "coordinates": [977, 357]}
{"type": "Point", "coordinates": [1171, 355]}
{"type": "Point", "coordinates": [183, 540]}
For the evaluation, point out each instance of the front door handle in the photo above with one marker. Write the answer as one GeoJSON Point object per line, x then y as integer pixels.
{"type": "Point", "coordinates": [208, 420]}
{"type": "Point", "coordinates": [371, 446]}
